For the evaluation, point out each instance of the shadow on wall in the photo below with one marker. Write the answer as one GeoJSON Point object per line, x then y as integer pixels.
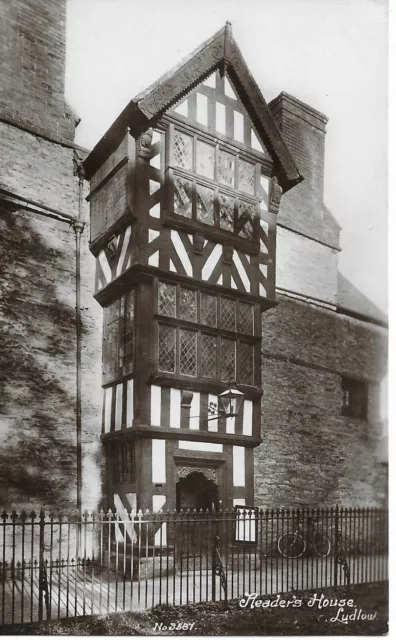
{"type": "Point", "coordinates": [37, 365]}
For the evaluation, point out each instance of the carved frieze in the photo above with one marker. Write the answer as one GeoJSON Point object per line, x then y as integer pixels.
{"type": "Point", "coordinates": [210, 474]}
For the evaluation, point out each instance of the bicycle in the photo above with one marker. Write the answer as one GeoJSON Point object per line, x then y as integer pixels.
{"type": "Point", "coordinates": [293, 545]}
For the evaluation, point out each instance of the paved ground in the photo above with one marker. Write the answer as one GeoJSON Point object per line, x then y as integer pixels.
{"type": "Point", "coordinates": [77, 592]}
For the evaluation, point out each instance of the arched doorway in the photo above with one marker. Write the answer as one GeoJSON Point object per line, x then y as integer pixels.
{"type": "Point", "coordinates": [196, 489]}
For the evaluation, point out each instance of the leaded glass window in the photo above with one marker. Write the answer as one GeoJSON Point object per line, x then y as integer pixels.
{"type": "Point", "coordinates": [246, 213]}
{"type": "Point", "coordinates": [208, 356]}
{"type": "Point", "coordinates": [183, 197]}
{"type": "Point", "coordinates": [183, 151]}
{"type": "Point", "coordinates": [226, 213]}
{"type": "Point", "coordinates": [227, 360]}
{"type": "Point", "coordinates": [188, 352]}
{"type": "Point", "coordinates": [205, 159]}
{"type": "Point", "coordinates": [202, 351]}
{"type": "Point", "coordinates": [245, 319]}
{"type": "Point", "coordinates": [246, 176]}
{"type": "Point", "coordinates": [205, 205]}
{"type": "Point", "coordinates": [188, 304]}
{"type": "Point", "coordinates": [110, 340]}
{"type": "Point", "coordinates": [226, 168]}
{"type": "Point", "coordinates": [245, 363]}
{"type": "Point", "coordinates": [208, 309]}
{"type": "Point", "coordinates": [167, 299]}
{"type": "Point", "coordinates": [126, 334]}
{"type": "Point", "coordinates": [118, 337]}
{"type": "Point", "coordinates": [213, 204]}
{"type": "Point", "coordinates": [227, 314]}
{"type": "Point", "coordinates": [166, 348]}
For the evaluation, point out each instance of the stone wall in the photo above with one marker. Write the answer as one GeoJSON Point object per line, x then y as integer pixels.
{"type": "Point", "coordinates": [311, 455]}
{"type": "Point", "coordinates": [38, 365]}
{"type": "Point", "coordinates": [37, 275]}
{"type": "Point", "coordinates": [33, 37]}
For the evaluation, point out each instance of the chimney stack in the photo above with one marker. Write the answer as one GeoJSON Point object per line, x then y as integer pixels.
{"type": "Point", "coordinates": [302, 208]}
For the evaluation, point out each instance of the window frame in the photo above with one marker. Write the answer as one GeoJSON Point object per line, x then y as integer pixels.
{"type": "Point", "coordinates": [217, 332]}
{"type": "Point", "coordinates": [169, 322]}
{"type": "Point", "coordinates": [357, 405]}
{"type": "Point", "coordinates": [198, 322]}
{"type": "Point", "coordinates": [172, 171]}
{"type": "Point", "coordinates": [118, 371]}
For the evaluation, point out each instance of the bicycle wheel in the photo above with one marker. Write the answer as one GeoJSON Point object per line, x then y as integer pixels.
{"type": "Point", "coordinates": [291, 545]}
{"type": "Point", "coordinates": [321, 544]}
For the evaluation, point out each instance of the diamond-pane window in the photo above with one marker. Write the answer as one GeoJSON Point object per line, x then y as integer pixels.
{"type": "Point", "coordinates": [205, 159]}
{"type": "Point", "coordinates": [183, 197]}
{"type": "Point", "coordinates": [118, 337]}
{"type": "Point", "coordinates": [166, 348]}
{"type": "Point", "coordinates": [226, 214]}
{"type": "Point", "coordinates": [245, 320]}
{"type": "Point", "coordinates": [205, 212]}
{"type": "Point", "coordinates": [208, 356]}
{"type": "Point", "coordinates": [227, 360]}
{"type": "Point", "coordinates": [110, 340]}
{"type": "Point", "coordinates": [208, 310]}
{"type": "Point", "coordinates": [126, 334]}
{"type": "Point", "coordinates": [246, 177]}
{"type": "Point", "coordinates": [226, 168]}
{"type": "Point", "coordinates": [246, 363]}
{"type": "Point", "coordinates": [244, 223]}
{"type": "Point", "coordinates": [183, 151]}
{"type": "Point", "coordinates": [167, 299]}
{"type": "Point", "coordinates": [227, 314]}
{"type": "Point", "coordinates": [188, 352]}
{"type": "Point", "coordinates": [188, 304]}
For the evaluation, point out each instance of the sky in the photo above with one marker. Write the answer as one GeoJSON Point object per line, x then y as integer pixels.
{"type": "Point", "coordinates": [331, 54]}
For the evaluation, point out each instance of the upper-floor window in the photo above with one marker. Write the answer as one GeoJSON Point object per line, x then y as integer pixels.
{"type": "Point", "coordinates": [207, 349]}
{"type": "Point", "coordinates": [118, 338]}
{"type": "Point", "coordinates": [213, 185]}
{"type": "Point", "coordinates": [354, 398]}
{"type": "Point", "coordinates": [211, 310]}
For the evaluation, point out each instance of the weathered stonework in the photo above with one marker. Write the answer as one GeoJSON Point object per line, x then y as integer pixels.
{"type": "Point", "coordinates": [37, 274]}
{"type": "Point", "coordinates": [310, 454]}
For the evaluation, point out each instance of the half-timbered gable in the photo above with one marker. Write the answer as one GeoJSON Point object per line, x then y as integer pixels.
{"type": "Point", "coordinates": [185, 189]}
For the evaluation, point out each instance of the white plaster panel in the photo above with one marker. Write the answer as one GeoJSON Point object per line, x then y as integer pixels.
{"type": "Point", "coordinates": [129, 418]}
{"type": "Point", "coordinates": [238, 466]}
{"type": "Point", "coordinates": [118, 412]}
{"type": "Point", "coordinates": [195, 411]}
{"type": "Point", "coordinates": [175, 408]}
{"type": "Point", "coordinates": [158, 471]}
{"type": "Point", "coordinates": [215, 447]}
{"type": "Point", "coordinates": [155, 413]}
{"type": "Point", "coordinates": [247, 418]}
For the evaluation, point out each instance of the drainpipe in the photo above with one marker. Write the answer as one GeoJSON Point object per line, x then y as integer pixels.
{"type": "Point", "coordinates": [78, 226]}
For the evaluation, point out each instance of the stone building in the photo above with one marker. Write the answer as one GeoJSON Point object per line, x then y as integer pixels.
{"type": "Point", "coordinates": [210, 260]}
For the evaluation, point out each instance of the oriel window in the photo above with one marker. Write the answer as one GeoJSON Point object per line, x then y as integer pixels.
{"type": "Point", "coordinates": [212, 185]}
{"type": "Point", "coordinates": [118, 338]}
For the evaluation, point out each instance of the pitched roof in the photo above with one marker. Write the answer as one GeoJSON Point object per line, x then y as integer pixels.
{"type": "Point", "coordinates": [218, 52]}
{"type": "Point", "coordinates": [351, 301]}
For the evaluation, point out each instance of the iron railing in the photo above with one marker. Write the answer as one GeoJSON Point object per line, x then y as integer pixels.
{"type": "Point", "coordinates": [55, 566]}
